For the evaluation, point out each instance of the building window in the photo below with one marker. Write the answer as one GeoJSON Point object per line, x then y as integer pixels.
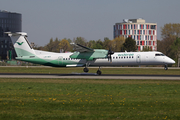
{"type": "Point", "coordinates": [124, 26]}
{"type": "Point", "coordinates": [147, 27]}
{"type": "Point", "coordinates": [153, 26]}
{"type": "Point", "coordinates": [137, 42]}
{"type": "Point", "coordinates": [144, 32]}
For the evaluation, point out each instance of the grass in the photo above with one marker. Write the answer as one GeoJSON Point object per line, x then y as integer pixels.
{"type": "Point", "coordinates": [35, 99]}
{"type": "Point", "coordinates": [150, 71]}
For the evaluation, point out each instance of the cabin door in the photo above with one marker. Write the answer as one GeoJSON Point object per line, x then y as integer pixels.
{"type": "Point", "coordinates": [138, 58]}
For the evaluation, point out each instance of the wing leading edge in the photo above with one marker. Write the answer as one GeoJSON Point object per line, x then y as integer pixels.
{"type": "Point", "coordinates": [81, 48]}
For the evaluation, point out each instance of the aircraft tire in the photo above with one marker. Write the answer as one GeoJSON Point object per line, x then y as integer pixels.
{"type": "Point", "coordinates": [165, 67]}
{"type": "Point", "coordinates": [99, 72]}
{"type": "Point", "coordinates": [86, 70]}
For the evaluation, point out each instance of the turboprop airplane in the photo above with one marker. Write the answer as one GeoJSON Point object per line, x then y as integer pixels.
{"type": "Point", "coordinates": [84, 56]}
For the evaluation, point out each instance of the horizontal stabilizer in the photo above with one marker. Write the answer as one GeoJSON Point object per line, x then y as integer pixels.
{"type": "Point", "coordinates": [16, 34]}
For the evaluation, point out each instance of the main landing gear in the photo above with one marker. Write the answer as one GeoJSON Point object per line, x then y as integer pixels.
{"type": "Point", "coordinates": [98, 71]}
{"type": "Point", "coordinates": [165, 67]}
{"type": "Point", "coordinates": [86, 70]}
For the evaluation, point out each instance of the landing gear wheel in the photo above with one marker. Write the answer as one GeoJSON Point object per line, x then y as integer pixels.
{"type": "Point", "coordinates": [86, 70]}
{"type": "Point", "coordinates": [165, 67]}
{"type": "Point", "coordinates": [99, 72]}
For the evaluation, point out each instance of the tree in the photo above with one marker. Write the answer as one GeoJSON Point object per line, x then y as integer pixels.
{"type": "Point", "coordinates": [52, 46]}
{"type": "Point", "coordinates": [56, 45]}
{"type": "Point", "coordinates": [170, 30]}
{"type": "Point", "coordinates": [64, 45]}
{"type": "Point", "coordinates": [49, 46]}
{"type": "Point", "coordinates": [176, 49]}
{"type": "Point", "coordinates": [130, 44]}
{"type": "Point", "coordinates": [147, 48]}
{"type": "Point", "coordinates": [169, 33]}
{"type": "Point", "coordinates": [107, 43]}
{"type": "Point", "coordinates": [80, 40]}
{"type": "Point", "coordinates": [99, 44]}
{"type": "Point", "coordinates": [117, 44]}
{"type": "Point", "coordinates": [91, 44]}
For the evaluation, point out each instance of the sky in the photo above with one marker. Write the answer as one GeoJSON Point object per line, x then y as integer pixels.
{"type": "Point", "coordinates": [90, 19]}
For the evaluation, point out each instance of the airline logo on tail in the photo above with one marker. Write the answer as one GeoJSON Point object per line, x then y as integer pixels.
{"type": "Point", "coordinates": [19, 43]}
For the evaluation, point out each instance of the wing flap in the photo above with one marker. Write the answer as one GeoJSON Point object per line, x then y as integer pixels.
{"type": "Point", "coordinates": [75, 65]}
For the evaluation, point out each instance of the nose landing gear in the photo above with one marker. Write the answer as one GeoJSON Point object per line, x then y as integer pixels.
{"type": "Point", "coordinates": [165, 67]}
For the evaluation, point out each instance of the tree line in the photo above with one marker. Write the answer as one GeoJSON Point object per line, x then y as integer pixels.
{"type": "Point", "coordinates": [118, 44]}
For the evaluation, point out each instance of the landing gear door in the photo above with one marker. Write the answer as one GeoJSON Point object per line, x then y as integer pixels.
{"type": "Point", "coordinates": [138, 59]}
{"type": "Point", "coordinates": [60, 60]}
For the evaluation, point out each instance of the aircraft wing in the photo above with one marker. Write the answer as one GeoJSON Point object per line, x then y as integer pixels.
{"type": "Point", "coordinates": [88, 53]}
{"type": "Point", "coordinates": [81, 48]}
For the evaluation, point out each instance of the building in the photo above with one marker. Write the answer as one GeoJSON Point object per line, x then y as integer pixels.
{"type": "Point", "coordinates": [8, 22]}
{"type": "Point", "coordinates": [144, 33]}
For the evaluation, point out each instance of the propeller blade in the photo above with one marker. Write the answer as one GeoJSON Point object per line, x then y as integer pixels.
{"type": "Point", "coordinates": [109, 55]}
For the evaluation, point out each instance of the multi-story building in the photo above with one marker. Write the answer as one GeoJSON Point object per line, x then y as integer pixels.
{"type": "Point", "coordinates": [145, 34]}
{"type": "Point", "coordinates": [8, 22]}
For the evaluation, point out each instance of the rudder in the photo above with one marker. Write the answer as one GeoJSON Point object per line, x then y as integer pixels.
{"type": "Point", "coordinates": [21, 44]}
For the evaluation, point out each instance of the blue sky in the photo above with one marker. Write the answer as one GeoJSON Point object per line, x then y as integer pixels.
{"type": "Point", "coordinates": [91, 19]}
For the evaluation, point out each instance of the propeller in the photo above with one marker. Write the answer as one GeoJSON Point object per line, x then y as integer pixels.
{"type": "Point", "coordinates": [110, 52]}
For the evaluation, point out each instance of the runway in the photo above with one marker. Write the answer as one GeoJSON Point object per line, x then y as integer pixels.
{"type": "Point", "coordinates": [91, 76]}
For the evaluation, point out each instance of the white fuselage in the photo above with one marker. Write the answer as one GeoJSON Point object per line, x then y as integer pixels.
{"type": "Point", "coordinates": [118, 59]}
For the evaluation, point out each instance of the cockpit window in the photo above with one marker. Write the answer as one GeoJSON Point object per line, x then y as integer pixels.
{"type": "Point", "coordinates": [159, 54]}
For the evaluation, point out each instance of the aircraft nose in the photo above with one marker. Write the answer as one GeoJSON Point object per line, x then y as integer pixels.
{"type": "Point", "coordinates": [171, 61]}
